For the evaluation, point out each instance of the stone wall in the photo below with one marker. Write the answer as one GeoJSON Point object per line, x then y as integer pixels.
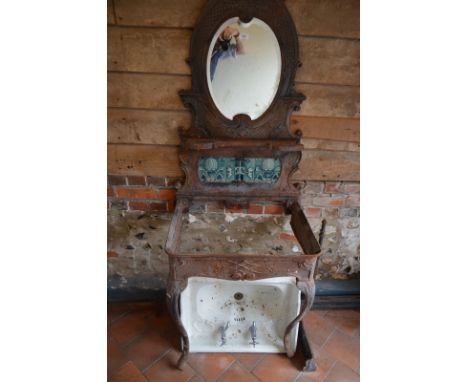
{"type": "Point", "coordinates": [136, 242]}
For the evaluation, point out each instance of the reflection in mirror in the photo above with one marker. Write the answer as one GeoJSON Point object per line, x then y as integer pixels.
{"type": "Point", "coordinates": [243, 68]}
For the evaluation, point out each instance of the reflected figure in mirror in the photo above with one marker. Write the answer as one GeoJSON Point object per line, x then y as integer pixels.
{"type": "Point", "coordinates": [225, 48]}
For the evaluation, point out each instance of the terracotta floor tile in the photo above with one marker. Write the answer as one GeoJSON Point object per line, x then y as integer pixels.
{"type": "Point", "coordinates": [129, 326]}
{"type": "Point", "coordinates": [237, 373]}
{"type": "Point", "coordinates": [344, 313]}
{"type": "Point", "coordinates": [344, 348]}
{"type": "Point", "coordinates": [167, 329]}
{"type": "Point", "coordinates": [114, 311]}
{"type": "Point", "coordinates": [197, 378]}
{"type": "Point", "coordinates": [115, 357]}
{"type": "Point", "coordinates": [276, 367]}
{"type": "Point", "coordinates": [165, 370]}
{"type": "Point", "coordinates": [342, 373]}
{"type": "Point", "coordinates": [147, 348]}
{"type": "Point", "coordinates": [210, 365]}
{"type": "Point", "coordinates": [142, 339]}
{"type": "Point", "coordinates": [321, 312]}
{"type": "Point", "coordinates": [324, 363]}
{"type": "Point", "coordinates": [318, 328]}
{"type": "Point", "coordinates": [128, 373]}
{"type": "Point", "coordinates": [249, 360]}
{"type": "Point", "coordinates": [346, 320]}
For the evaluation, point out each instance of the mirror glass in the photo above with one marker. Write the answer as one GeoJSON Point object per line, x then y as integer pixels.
{"type": "Point", "coordinates": [243, 68]}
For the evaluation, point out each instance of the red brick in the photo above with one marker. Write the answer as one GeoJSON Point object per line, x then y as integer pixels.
{"type": "Point", "coordinates": [274, 209]}
{"type": "Point", "coordinates": [147, 206]}
{"type": "Point", "coordinates": [287, 236]}
{"type": "Point", "coordinates": [337, 202]}
{"type": "Point", "coordinates": [167, 194]}
{"type": "Point", "coordinates": [136, 180]}
{"type": "Point", "coordinates": [255, 209]}
{"type": "Point", "coordinates": [325, 201]}
{"type": "Point", "coordinates": [235, 210]}
{"type": "Point", "coordinates": [110, 192]}
{"type": "Point", "coordinates": [136, 193]}
{"type": "Point", "coordinates": [112, 254]}
{"type": "Point", "coordinates": [313, 212]}
{"type": "Point", "coordinates": [332, 187]}
{"type": "Point", "coordinates": [116, 180]}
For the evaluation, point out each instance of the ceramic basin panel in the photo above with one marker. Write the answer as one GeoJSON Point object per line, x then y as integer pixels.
{"type": "Point", "coordinates": [208, 304]}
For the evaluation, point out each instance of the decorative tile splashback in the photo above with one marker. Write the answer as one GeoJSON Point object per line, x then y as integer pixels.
{"type": "Point", "coordinates": [248, 170]}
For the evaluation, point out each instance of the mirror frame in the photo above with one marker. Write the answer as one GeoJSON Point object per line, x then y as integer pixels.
{"type": "Point", "coordinates": [208, 121]}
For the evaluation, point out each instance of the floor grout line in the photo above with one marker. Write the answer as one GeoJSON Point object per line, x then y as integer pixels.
{"type": "Point", "coordinates": [225, 370]}
{"type": "Point", "coordinates": [119, 317]}
{"type": "Point", "coordinates": [329, 371]}
{"type": "Point", "coordinates": [156, 360]}
{"type": "Point", "coordinates": [326, 340]}
{"type": "Point", "coordinates": [256, 363]}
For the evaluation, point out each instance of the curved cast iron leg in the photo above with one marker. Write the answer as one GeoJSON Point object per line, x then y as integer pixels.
{"type": "Point", "coordinates": [173, 300]}
{"type": "Point", "coordinates": [308, 288]}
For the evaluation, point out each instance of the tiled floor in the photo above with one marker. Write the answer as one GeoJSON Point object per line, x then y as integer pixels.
{"type": "Point", "coordinates": [143, 346]}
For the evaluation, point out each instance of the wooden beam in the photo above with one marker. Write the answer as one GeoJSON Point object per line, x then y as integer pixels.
{"type": "Point", "coordinates": [324, 144]}
{"type": "Point", "coordinates": [329, 100]}
{"type": "Point", "coordinates": [158, 91]}
{"type": "Point", "coordinates": [161, 127]}
{"type": "Point", "coordinates": [149, 91]}
{"type": "Point", "coordinates": [110, 13]}
{"type": "Point", "coordinates": [331, 18]}
{"type": "Point", "coordinates": [143, 160]}
{"type": "Point", "coordinates": [328, 61]}
{"type": "Point", "coordinates": [155, 160]}
{"type": "Point", "coordinates": [148, 50]}
{"type": "Point", "coordinates": [146, 126]}
{"type": "Point", "coordinates": [339, 129]}
{"type": "Point", "coordinates": [154, 50]}
{"type": "Point", "coordinates": [160, 13]}
{"type": "Point", "coordinates": [334, 18]}
{"type": "Point", "coordinates": [328, 165]}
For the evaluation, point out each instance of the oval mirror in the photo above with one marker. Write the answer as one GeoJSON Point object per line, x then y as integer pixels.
{"type": "Point", "coordinates": [243, 68]}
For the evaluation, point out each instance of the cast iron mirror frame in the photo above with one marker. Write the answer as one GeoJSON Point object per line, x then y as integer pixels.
{"type": "Point", "coordinates": [208, 121]}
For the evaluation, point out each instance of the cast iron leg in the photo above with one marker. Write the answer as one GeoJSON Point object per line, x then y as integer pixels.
{"type": "Point", "coordinates": [173, 300]}
{"type": "Point", "coordinates": [310, 364]}
{"type": "Point", "coordinates": [308, 288]}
